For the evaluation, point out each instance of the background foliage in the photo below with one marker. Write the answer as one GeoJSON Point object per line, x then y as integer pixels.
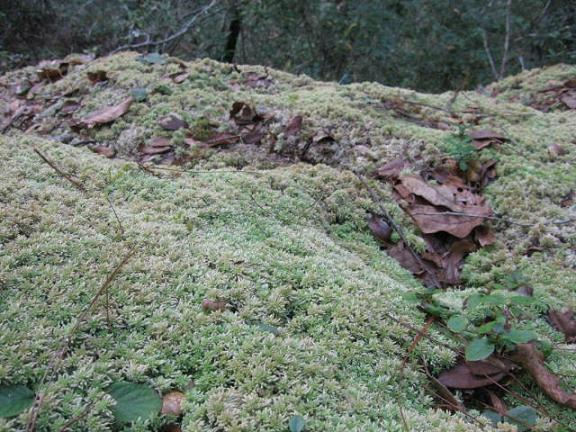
{"type": "Point", "coordinates": [429, 45]}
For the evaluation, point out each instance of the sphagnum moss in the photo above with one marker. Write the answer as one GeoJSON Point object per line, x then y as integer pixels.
{"type": "Point", "coordinates": [307, 330]}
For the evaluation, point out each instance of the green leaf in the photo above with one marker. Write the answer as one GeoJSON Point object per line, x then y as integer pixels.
{"type": "Point", "coordinates": [457, 323]}
{"type": "Point", "coordinates": [486, 328]}
{"type": "Point", "coordinates": [479, 349]}
{"type": "Point", "coordinates": [494, 299]}
{"type": "Point", "coordinates": [296, 423]}
{"type": "Point", "coordinates": [493, 416]}
{"type": "Point", "coordinates": [524, 417]}
{"type": "Point", "coordinates": [520, 336]}
{"type": "Point", "coordinates": [134, 401]}
{"type": "Point", "coordinates": [139, 94]}
{"type": "Point", "coordinates": [15, 399]}
{"type": "Point", "coordinates": [474, 300]}
{"type": "Point", "coordinates": [268, 328]}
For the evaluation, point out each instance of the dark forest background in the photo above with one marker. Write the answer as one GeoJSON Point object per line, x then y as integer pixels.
{"type": "Point", "coordinates": [429, 45]}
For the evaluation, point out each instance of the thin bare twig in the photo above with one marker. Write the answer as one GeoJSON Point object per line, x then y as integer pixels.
{"type": "Point", "coordinates": [506, 38]}
{"type": "Point", "coordinates": [170, 38]}
{"type": "Point", "coordinates": [62, 174]}
{"type": "Point", "coordinates": [496, 218]}
{"type": "Point", "coordinates": [489, 55]}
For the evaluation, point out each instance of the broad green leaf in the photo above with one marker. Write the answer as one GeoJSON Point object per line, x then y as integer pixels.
{"type": "Point", "coordinates": [479, 349]}
{"type": "Point", "coordinates": [296, 423]}
{"type": "Point", "coordinates": [493, 416]}
{"type": "Point", "coordinates": [494, 299]}
{"type": "Point", "coordinates": [486, 328]}
{"type": "Point", "coordinates": [457, 323]}
{"type": "Point", "coordinates": [520, 336]}
{"type": "Point", "coordinates": [15, 399]}
{"type": "Point", "coordinates": [474, 300]}
{"type": "Point", "coordinates": [524, 417]}
{"type": "Point", "coordinates": [139, 94]}
{"type": "Point", "coordinates": [134, 401]}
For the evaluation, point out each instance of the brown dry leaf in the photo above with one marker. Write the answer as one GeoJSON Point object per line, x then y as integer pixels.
{"type": "Point", "coordinates": [462, 377]}
{"type": "Point", "coordinates": [172, 122]}
{"type": "Point", "coordinates": [222, 138]}
{"type": "Point", "coordinates": [564, 322]}
{"type": "Point", "coordinates": [255, 80]}
{"type": "Point", "coordinates": [108, 114]}
{"type": "Point", "coordinates": [179, 77]}
{"type": "Point", "coordinates": [157, 145]}
{"type": "Point", "coordinates": [294, 126]}
{"type": "Point", "coordinates": [568, 199]}
{"type": "Point", "coordinates": [391, 170]}
{"type": "Point", "coordinates": [213, 306]}
{"type": "Point", "coordinates": [172, 403]}
{"type": "Point", "coordinates": [322, 137]}
{"type": "Point", "coordinates": [97, 76]}
{"type": "Point", "coordinates": [452, 208]}
{"type": "Point", "coordinates": [485, 137]}
{"type": "Point", "coordinates": [52, 70]}
{"type": "Point", "coordinates": [243, 114]}
{"type": "Point", "coordinates": [569, 100]}
{"type": "Point", "coordinates": [253, 136]}
{"type": "Point", "coordinates": [446, 397]}
{"type": "Point", "coordinates": [453, 260]}
{"type": "Point", "coordinates": [484, 235]}
{"type": "Point", "coordinates": [556, 150]}
{"type": "Point", "coordinates": [379, 228]}
{"type": "Point", "coordinates": [426, 271]}
{"type": "Point", "coordinates": [69, 107]}
{"type": "Point", "coordinates": [106, 151]}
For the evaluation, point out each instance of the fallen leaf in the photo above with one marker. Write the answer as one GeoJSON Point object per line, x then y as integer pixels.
{"type": "Point", "coordinates": [105, 151]}
{"type": "Point", "coordinates": [497, 403]}
{"type": "Point", "coordinates": [322, 137]}
{"type": "Point", "coordinates": [52, 70]}
{"type": "Point", "coordinates": [172, 403]}
{"type": "Point", "coordinates": [172, 122]}
{"type": "Point", "coordinates": [484, 138]}
{"type": "Point", "coordinates": [255, 80]}
{"type": "Point", "coordinates": [108, 114]}
{"type": "Point", "coordinates": [391, 170]}
{"type": "Point", "coordinates": [569, 100]}
{"type": "Point", "coordinates": [213, 306]}
{"type": "Point", "coordinates": [157, 145]}
{"type": "Point", "coordinates": [179, 77]}
{"type": "Point", "coordinates": [69, 107]}
{"type": "Point", "coordinates": [379, 228]}
{"type": "Point", "coordinates": [484, 235]}
{"type": "Point", "coordinates": [253, 136]}
{"type": "Point", "coordinates": [556, 150]}
{"type": "Point", "coordinates": [294, 126]}
{"type": "Point", "coordinates": [97, 76]}
{"type": "Point", "coordinates": [222, 138]}
{"type": "Point", "coordinates": [568, 199]}
{"type": "Point", "coordinates": [243, 114]}
{"type": "Point", "coordinates": [461, 377]}
{"type": "Point", "coordinates": [454, 259]}
{"type": "Point", "coordinates": [564, 322]}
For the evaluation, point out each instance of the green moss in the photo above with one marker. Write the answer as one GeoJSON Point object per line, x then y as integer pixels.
{"type": "Point", "coordinates": [307, 330]}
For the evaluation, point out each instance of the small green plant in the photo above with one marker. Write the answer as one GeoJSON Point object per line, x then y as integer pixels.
{"type": "Point", "coordinates": [496, 331]}
{"type": "Point", "coordinates": [459, 146]}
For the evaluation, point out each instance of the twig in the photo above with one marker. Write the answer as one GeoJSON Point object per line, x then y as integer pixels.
{"type": "Point", "coordinates": [396, 227]}
{"type": "Point", "coordinates": [31, 425]}
{"type": "Point", "coordinates": [79, 417]}
{"type": "Point", "coordinates": [62, 174]}
{"type": "Point", "coordinates": [103, 288]}
{"type": "Point", "coordinates": [120, 227]}
{"type": "Point", "coordinates": [176, 35]}
{"type": "Point", "coordinates": [497, 218]}
{"type": "Point", "coordinates": [506, 39]}
{"type": "Point", "coordinates": [422, 333]}
{"type": "Point", "coordinates": [489, 55]}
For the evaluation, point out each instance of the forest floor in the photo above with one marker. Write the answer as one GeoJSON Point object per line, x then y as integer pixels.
{"type": "Point", "coordinates": [207, 247]}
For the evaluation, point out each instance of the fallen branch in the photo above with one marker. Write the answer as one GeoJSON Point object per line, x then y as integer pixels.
{"type": "Point", "coordinates": [497, 218]}
{"type": "Point", "coordinates": [532, 360]}
{"type": "Point", "coordinates": [170, 38]}
{"type": "Point", "coordinates": [62, 174]}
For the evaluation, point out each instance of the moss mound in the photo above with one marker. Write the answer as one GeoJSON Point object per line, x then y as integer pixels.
{"type": "Point", "coordinates": [315, 321]}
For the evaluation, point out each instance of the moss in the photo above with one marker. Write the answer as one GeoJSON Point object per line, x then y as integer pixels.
{"type": "Point", "coordinates": [287, 248]}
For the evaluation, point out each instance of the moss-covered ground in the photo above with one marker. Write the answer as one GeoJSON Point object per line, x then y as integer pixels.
{"type": "Point", "coordinates": [316, 322]}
